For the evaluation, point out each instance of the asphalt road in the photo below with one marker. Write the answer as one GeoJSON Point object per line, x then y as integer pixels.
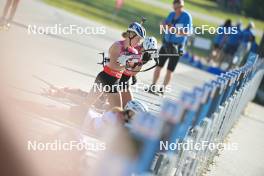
{"type": "Point", "coordinates": [70, 60]}
{"type": "Point", "coordinates": [65, 60]}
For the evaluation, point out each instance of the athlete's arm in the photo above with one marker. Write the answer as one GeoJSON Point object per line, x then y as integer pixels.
{"type": "Point", "coordinates": [114, 52]}
{"type": "Point", "coordinates": [117, 62]}
{"type": "Point", "coordinates": [187, 26]}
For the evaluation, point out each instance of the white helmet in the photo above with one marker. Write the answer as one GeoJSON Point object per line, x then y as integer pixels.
{"type": "Point", "coordinates": [138, 29]}
{"type": "Point", "coordinates": [136, 106]}
{"type": "Point", "coordinates": [150, 43]}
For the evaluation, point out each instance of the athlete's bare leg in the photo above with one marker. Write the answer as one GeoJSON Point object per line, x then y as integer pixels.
{"type": "Point", "coordinates": [92, 97]}
{"type": "Point", "coordinates": [167, 78]}
{"type": "Point", "coordinates": [126, 97]}
{"type": "Point", "coordinates": [114, 99]}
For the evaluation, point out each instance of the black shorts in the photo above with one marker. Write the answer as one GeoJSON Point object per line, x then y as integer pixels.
{"type": "Point", "coordinates": [173, 60]}
{"type": "Point", "coordinates": [106, 83]}
{"type": "Point", "coordinates": [124, 82]}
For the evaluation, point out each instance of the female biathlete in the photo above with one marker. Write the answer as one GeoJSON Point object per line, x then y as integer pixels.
{"type": "Point", "coordinates": [144, 52]}
{"type": "Point", "coordinates": [123, 54]}
{"type": "Point", "coordinates": [149, 44]}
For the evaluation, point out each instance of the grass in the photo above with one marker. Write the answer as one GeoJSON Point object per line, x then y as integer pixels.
{"type": "Point", "coordinates": [104, 11]}
{"type": "Point", "coordinates": [213, 9]}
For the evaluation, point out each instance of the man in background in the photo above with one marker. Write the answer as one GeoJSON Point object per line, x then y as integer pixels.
{"type": "Point", "coordinates": [245, 45]}
{"type": "Point", "coordinates": [172, 44]}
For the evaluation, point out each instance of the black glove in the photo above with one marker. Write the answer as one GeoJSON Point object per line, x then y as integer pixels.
{"type": "Point", "coordinates": [180, 53]}
{"type": "Point", "coordinates": [134, 80]}
{"type": "Point", "coordinates": [146, 57]}
{"type": "Point", "coordinates": [180, 50]}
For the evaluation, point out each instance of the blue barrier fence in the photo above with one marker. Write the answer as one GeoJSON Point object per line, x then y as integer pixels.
{"type": "Point", "coordinates": [190, 60]}
{"type": "Point", "coordinates": [205, 114]}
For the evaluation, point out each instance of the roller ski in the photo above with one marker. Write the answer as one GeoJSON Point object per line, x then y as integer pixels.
{"type": "Point", "coordinates": [55, 93]}
{"type": "Point", "coordinates": [71, 95]}
{"type": "Point", "coordinates": [51, 91]}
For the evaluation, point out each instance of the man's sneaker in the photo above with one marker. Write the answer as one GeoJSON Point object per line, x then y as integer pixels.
{"type": "Point", "coordinates": [152, 89]}
{"type": "Point", "coordinates": [161, 91]}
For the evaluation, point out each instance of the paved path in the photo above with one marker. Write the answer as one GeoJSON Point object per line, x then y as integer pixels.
{"type": "Point", "coordinates": [248, 136]}
{"type": "Point", "coordinates": [66, 60]}
{"type": "Point", "coordinates": [70, 60]}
